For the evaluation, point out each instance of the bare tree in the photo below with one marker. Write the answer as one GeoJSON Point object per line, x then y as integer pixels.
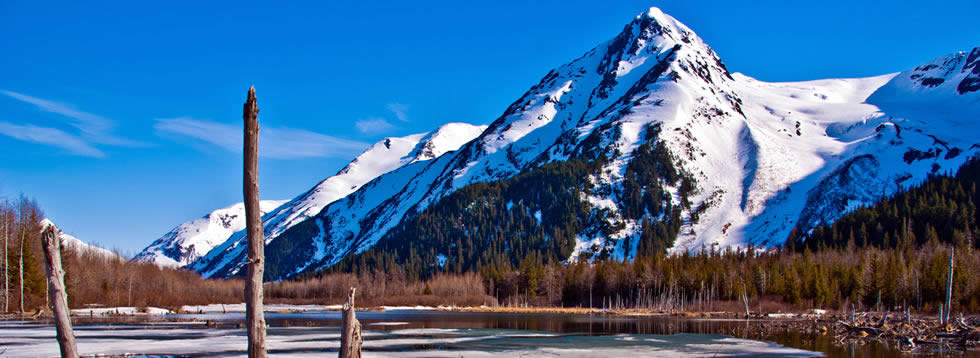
{"type": "Point", "coordinates": [56, 289]}
{"type": "Point", "coordinates": [255, 319]}
{"type": "Point", "coordinates": [4, 217]}
{"type": "Point", "coordinates": [23, 238]}
{"type": "Point", "coordinates": [949, 288]}
{"type": "Point", "coordinates": [745, 300]}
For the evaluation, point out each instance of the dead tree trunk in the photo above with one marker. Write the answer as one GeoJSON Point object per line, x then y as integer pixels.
{"type": "Point", "coordinates": [56, 292]}
{"type": "Point", "coordinates": [949, 289]}
{"type": "Point", "coordinates": [255, 319]}
{"type": "Point", "coordinates": [6, 264]}
{"type": "Point", "coordinates": [350, 334]}
{"type": "Point", "coordinates": [21, 267]}
{"type": "Point", "coordinates": [745, 301]}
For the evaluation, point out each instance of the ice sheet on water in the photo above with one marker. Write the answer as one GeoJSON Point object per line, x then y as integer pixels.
{"type": "Point", "coordinates": [22, 340]}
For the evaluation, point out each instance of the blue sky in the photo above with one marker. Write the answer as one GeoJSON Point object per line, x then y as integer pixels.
{"type": "Point", "coordinates": [123, 119]}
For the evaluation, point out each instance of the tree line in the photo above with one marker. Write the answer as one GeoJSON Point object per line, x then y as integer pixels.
{"type": "Point", "coordinates": [23, 283]}
{"type": "Point", "coordinates": [97, 277]}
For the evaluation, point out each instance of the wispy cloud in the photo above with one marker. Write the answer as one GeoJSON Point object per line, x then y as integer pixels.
{"type": "Point", "coordinates": [92, 128]}
{"type": "Point", "coordinates": [400, 111]}
{"type": "Point", "coordinates": [50, 136]}
{"type": "Point", "coordinates": [374, 125]}
{"type": "Point", "coordinates": [281, 143]}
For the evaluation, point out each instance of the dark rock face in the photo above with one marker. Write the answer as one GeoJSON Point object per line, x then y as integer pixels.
{"type": "Point", "coordinates": [932, 81]}
{"type": "Point", "coordinates": [972, 81]}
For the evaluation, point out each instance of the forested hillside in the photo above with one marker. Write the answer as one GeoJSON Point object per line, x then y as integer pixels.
{"type": "Point", "coordinates": [535, 215]}
{"type": "Point", "coordinates": [942, 209]}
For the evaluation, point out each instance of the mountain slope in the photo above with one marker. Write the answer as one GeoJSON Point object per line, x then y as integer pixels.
{"type": "Point", "coordinates": [383, 157]}
{"type": "Point", "coordinates": [714, 158]}
{"type": "Point", "coordinates": [189, 241]}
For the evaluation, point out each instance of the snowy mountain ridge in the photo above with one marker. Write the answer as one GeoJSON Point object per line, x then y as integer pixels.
{"type": "Point", "coordinates": [381, 158]}
{"type": "Point", "coordinates": [762, 158]}
{"type": "Point", "coordinates": [189, 241]}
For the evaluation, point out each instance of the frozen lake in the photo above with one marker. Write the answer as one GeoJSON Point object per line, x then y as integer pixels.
{"type": "Point", "coordinates": [411, 333]}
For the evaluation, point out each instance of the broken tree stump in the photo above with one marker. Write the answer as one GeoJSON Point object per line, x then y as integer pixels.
{"type": "Point", "coordinates": [56, 292]}
{"type": "Point", "coordinates": [350, 332]}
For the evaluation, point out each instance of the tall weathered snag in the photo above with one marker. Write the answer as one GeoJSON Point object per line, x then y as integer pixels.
{"type": "Point", "coordinates": [56, 291]}
{"type": "Point", "coordinates": [255, 319]}
{"type": "Point", "coordinates": [350, 332]}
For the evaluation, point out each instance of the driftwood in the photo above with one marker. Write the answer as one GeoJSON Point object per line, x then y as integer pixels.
{"type": "Point", "coordinates": [254, 317]}
{"type": "Point", "coordinates": [909, 332]}
{"type": "Point", "coordinates": [350, 332]}
{"type": "Point", "coordinates": [56, 290]}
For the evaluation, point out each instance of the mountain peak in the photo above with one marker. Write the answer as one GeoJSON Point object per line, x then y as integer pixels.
{"type": "Point", "coordinates": [654, 13]}
{"type": "Point", "coordinates": [448, 137]}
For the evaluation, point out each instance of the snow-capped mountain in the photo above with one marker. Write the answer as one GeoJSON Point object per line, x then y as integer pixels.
{"type": "Point", "coordinates": [189, 241]}
{"type": "Point", "coordinates": [762, 158]}
{"type": "Point", "coordinates": [383, 157]}
{"type": "Point", "coordinates": [73, 243]}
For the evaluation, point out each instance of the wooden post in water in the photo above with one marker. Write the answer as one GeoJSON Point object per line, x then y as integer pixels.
{"type": "Point", "coordinates": [350, 332]}
{"type": "Point", "coordinates": [56, 290]}
{"type": "Point", "coordinates": [254, 317]}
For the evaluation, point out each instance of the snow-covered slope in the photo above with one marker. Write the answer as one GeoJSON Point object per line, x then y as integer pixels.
{"type": "Point", "coordinates": [73, 243]}
{"type": "Point", "coordinates": [191, 240]}
{"type": "Point", "coordinates": [383, 157]}
{"type": "Point", "coordinates": [764, 157]}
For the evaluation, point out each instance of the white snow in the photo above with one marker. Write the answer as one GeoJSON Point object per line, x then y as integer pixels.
{"type": "Point", "coordinates": [240, 308]}
{"type": "Point", "coordinates": [126, 311]}
{"type": "Point", "coordinates": [191, 240]}
{"type": "Point", "coordinates": [441, 260]}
